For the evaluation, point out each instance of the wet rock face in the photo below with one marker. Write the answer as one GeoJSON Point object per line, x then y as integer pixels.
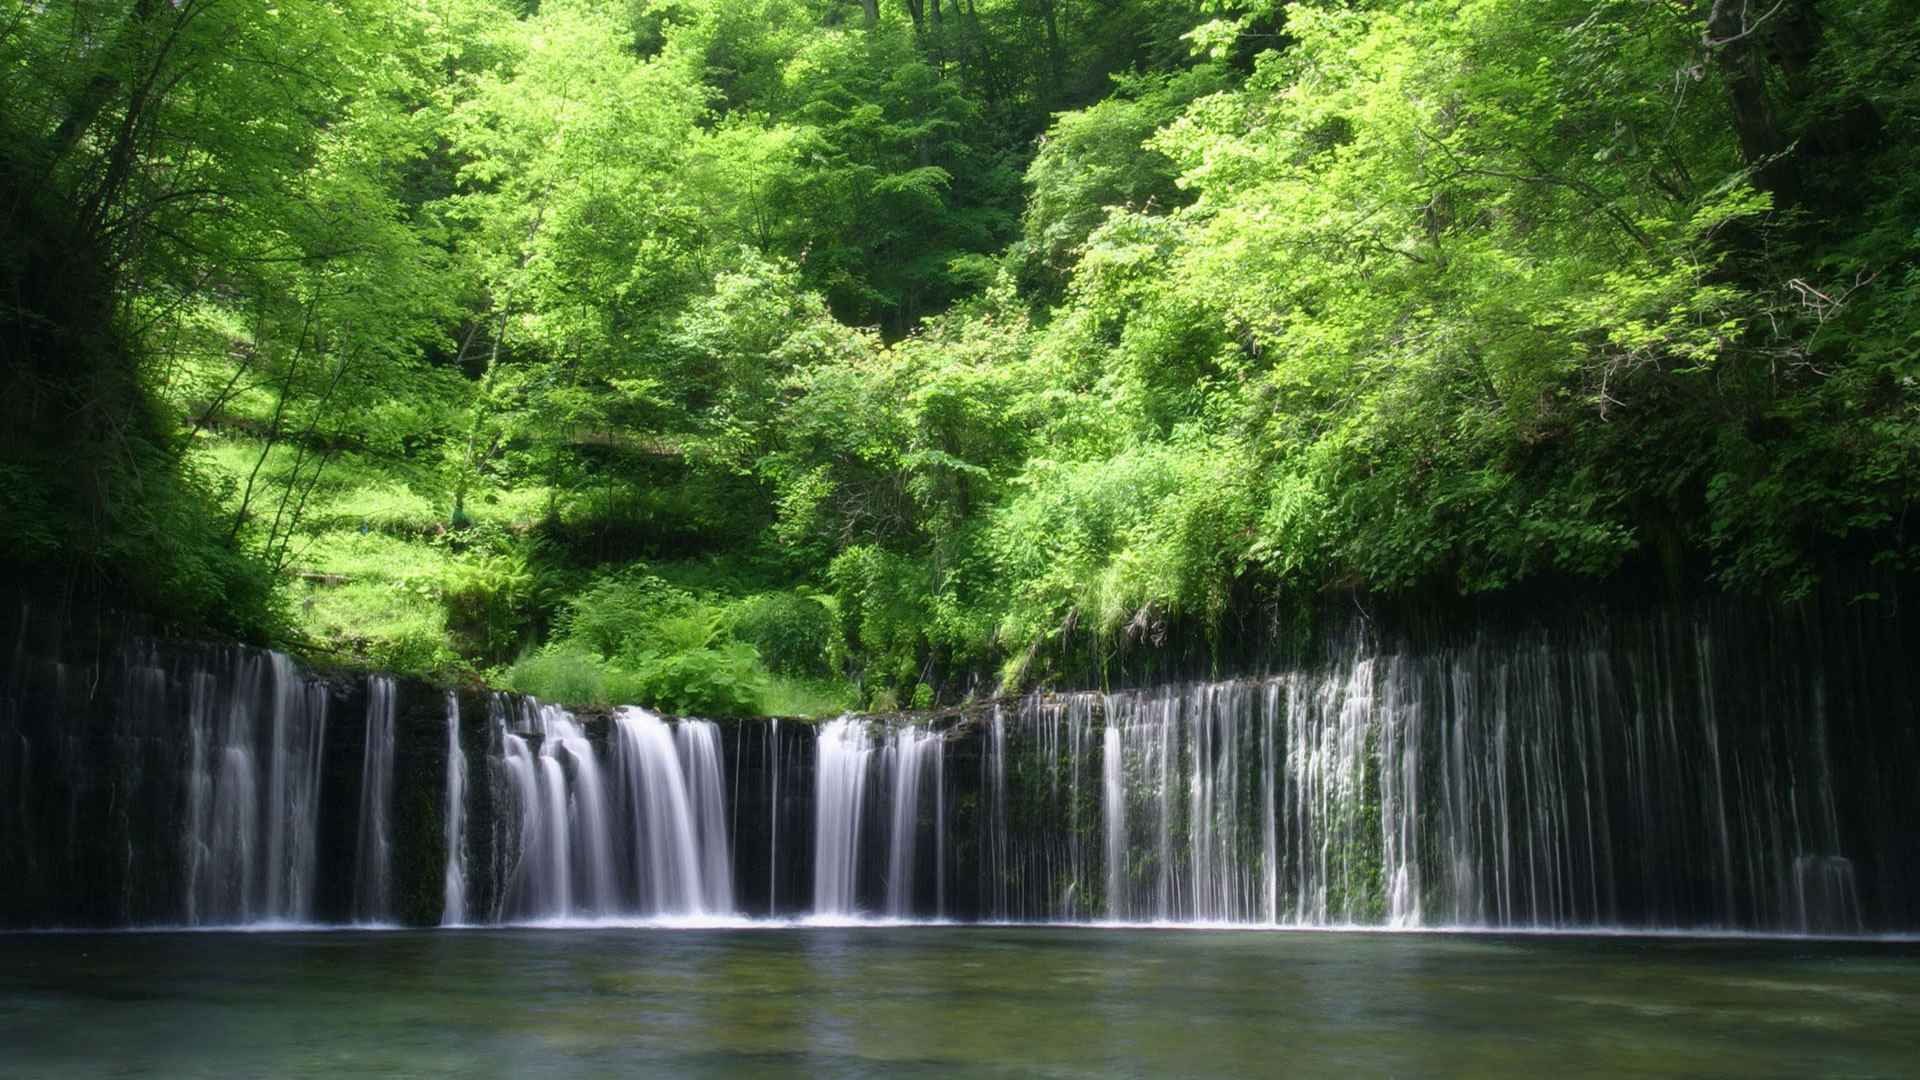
{"type": "Point", "coordinates": [156, 782]}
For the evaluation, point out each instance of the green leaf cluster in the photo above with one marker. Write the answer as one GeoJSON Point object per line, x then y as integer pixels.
{"type": "Point", "coordinates": [706, 352]}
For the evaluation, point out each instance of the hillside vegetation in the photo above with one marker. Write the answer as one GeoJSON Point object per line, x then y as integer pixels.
{"type": "Point", "coordinates": [795, 355]}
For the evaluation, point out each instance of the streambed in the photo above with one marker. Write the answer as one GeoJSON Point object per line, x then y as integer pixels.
{"type": "Point", "coordinates": [904, 1001]}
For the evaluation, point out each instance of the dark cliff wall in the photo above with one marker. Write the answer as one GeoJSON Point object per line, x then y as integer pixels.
{"type": "Point", "coordinates": [105, 734]}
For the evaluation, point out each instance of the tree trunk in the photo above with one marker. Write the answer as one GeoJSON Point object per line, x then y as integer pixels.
{"type": "Point", "coordinates": [1744, 41]}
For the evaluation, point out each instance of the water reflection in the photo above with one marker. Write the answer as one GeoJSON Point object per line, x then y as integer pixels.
{"type": "Point", "coordinates": [894, 1001]}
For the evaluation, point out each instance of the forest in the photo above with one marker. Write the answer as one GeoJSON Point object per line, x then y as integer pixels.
{"type": "Point", "coordinates": [790, 356]}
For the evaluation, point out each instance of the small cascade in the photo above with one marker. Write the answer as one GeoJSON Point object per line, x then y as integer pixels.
{"type": "Point", "coordinates": [1825, 899]}
{"type": "Point", "coordinates": [996, 831]}
{"type": "Point", "coordinates": [222, 812]}
{"type": "Point", "coordinates": [905, 842]}
{"type": "Point", "coordinates": [1113, 812]}
{"type": "Point", "coordinates": [1328, 855]}
{"type": "Point", "coordinates": [522, 855]}
{"type": "Point", "coordinates": [940, 837]}
{"type": "Point", "coordinates": [840, 783]}
{"type": "Point", "coordinates": [373, 855]}
{"type": "Point", "coordinates": [911, 753]}
{"type": "Point", "coordinates": [1044, 763]}
{"type": "Point", "coordinates": [673, 807]}
{"type": "Point", "coordinates": [632, 825]}
{"type": "Point", "coordinates": [453, 910]}
{"type": "Point", "coordinates": [562, 856]}
{"type": "Point", "coordinates": [298, 722]}
{"type": "Point", "coordinates": [577, 798]}
{"type": "Point", "coordinates": [1185, 804]}
{"type": "Point", "coordinates": [771, 756]}
{"type": "Point", "coordinates": [700, 762]}
{"type": "Point", "coordinates": [250, 846]}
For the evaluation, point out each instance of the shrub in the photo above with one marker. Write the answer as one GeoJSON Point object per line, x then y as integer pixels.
{"type": "Point", "coordinates": [560, 673]}
{"type": "Point", "coordinates": [702, 682]}
{"type": "Point", "coordinates": [619, 614]}
{"type": "Point", "coordinates": [490, 601]}
{"type": "Point", "coordinates": [794, 632]}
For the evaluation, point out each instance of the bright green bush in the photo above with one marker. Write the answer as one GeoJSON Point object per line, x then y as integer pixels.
{"type": "Point", "coordinates": [561, 673]}
{"type": "Point", "coordinates": [489, 600]}
{"type": "Point", "coordinates": [795, 632]}
{"type": "Point", "coordinates": [792, 696]}
{"type": "Point", "coordinates": [722, 681]}
{"type": "Point", "coordinates": [620, 613]}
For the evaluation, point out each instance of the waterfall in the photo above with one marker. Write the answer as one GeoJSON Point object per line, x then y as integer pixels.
{"type": "Point", "coordinates": [250, 848]}
{"type": "Point", "coordinates": [940, 838]}
{"type": "Point", "coordinates": [1113, 802]}
{"type": "Point", "coordinates": [996, 830]}
{"type": "Point", "coordinates": [1184, 800]}
{"type": "Point", "coordinates": [700, 762]}
{"type": "Point", "coordinates": [373, 862]}
{"type": "Point", "coordinates": [297, 713]}
{"type": "Point", "coordinates": [642, 833]}
{"type": "Point", "coordinates": [1673, 771]}
{"type": "Point", "coordinates": [674, 809]}
{"type": "Point", "coordinates": [840, 781]}
{"type": "Point", "coordinates": [524, 856]}
{"type": "Point", "coordinates": [563, 865]}
{"type": "Point", "coordinates": [453, 910]}
{"type": "Point", "coordinates": [773, 770]}
{"type": "Point", "coordinates": [577, 802]}
{"type": "Point", "coordinates": [1537, 784]}
{"type": "Point", "coordinates": [911, 750]}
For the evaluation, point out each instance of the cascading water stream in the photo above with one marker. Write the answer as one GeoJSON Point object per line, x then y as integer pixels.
{"type": "Point", "coordinates": [373, 850]}
{"type": "Point", "coordinates": [698, 742]}
{"type": "Point", "coordinates": [840, 782]}
{"type": "Point", "coordinates": [525, 856]}
{"type": "Point", "coordinates": [910, 750]}
{"type": "Point", "coordinates": [453, 910]}
{"type": "Point", "coordinates": [674, 809]}
{"type": "Point", "coordinates": [774, 771]}
{"type": "Point", "coordinates": [1113, 803]}
{"type": "Point", "coordinates": [250, 850]}
{"type": "Point", "coordinates": [577, 799]}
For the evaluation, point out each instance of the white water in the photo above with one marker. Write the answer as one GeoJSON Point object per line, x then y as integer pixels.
{"type": "Point", "coordinates": [249, 851]}
{"type": "Point", "coordinates": [774, 770]}
{"type": "Point", "coordinates": [373, 855]}
{"type": "Point", "coordinates": [525, 860]}
{"type": "Point", "coordinates": [577, 802]}
{"type": "Point", "coordinates": [840, 782]}
{"type": "Point", "coordinates": [672, 805]}
{"type": "Point", "coordinates": [642, 835]}
{"type": "Point", "coordinates": [453, 908]}
{"type": "Point", "coordinates": [912, 752]}
{"type": "Point", "coordinates": [564, 864]}
{"type": "Point", "coordinates": [1113, 801]}
{"type": "Point", "coordinates": [701, 763]}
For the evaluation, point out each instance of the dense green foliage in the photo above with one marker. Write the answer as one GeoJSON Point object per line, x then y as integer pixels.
{"type": "Point", "coordinates": [735, 355]}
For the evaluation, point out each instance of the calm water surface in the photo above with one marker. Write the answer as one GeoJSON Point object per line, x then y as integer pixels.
{"type": "Point", "coordinates": [950, 1001]}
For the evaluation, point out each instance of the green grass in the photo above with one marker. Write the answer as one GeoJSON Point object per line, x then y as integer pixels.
{"type": "Point", "coordinates": [566, 675]}
{"type": "Point", "coordinates": [376, 579]}
{"type": "Point", "coordinates": [391, 507]}
{"type": "Point", "coordinates": [518, 508]}
{"type": "Point", "coordinates": [794, 696]}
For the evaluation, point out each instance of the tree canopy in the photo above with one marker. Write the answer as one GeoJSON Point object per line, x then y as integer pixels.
{"type": "Point", "coordinates": [794, 354]}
